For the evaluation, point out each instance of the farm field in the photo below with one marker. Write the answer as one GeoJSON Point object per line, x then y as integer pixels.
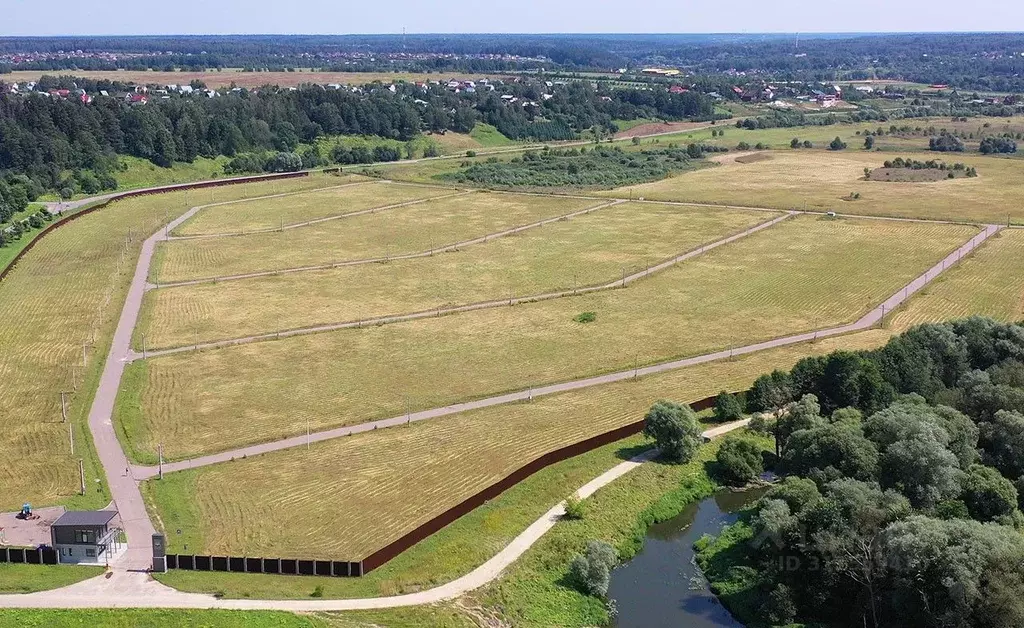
{"type": "Point", "coordinates": [346, 194]}
{"type": "Point", "coordinates": [409, 229]}
{"type": "Point", "coordinates": [816, 180]}
{"type": "Point", "coordinates": [68, 293]}
{"type": "Point", "coordinates": [384, 483]}
{"type": "Point", "coordinates": [988, 282]}
{"type": "Point", "coordinates": [805, 273]}
{"type": "Point", "coordinates": [587, 250]}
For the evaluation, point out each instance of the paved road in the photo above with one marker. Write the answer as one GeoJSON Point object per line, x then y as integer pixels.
{"type": "Point", "coordinates": [873, 317]}
{"type": "Point", "coordinates": [137, 590]}
{"type": "Point", "coordinates": [469, 307]}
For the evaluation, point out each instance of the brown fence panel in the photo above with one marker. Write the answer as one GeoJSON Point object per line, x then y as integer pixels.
{"type": "Point", "coordinates": [473, 502]}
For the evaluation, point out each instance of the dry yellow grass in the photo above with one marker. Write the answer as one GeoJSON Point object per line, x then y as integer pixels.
{"type": "Point", "coordinates": [990, 282]}
{"type": "Point", "coordinates": [354, 194]}
{"type": "Point", "coordinates": [359, 493]}
{"type": "Point", "coordinates": [407, 229]}
{"type": "Point", "coordinates": [67, 291]}
{"type": "Point", "coordinates": [805, 273]}
{"type": "Point", "coordinates": [817, 180]}
{"type": "Point", "coordinates": [588, 250]}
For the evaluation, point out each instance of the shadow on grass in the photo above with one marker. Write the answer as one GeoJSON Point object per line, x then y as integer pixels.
{"type": "Point", "coordinates": [628, 453]}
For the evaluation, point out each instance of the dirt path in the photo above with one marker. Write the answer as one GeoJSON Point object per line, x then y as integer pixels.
{"type": "Point", "coordinates": [873, 317]}
{"type": "Point", "coordinates": [481, 305]}
{"type": "Point", "coordinates": [138, 590]}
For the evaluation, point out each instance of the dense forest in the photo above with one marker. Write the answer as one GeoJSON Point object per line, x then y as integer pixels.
{"type": "Point", "coordinates": [64, 144]}
{"type": "Point", "coordinates": [902, 492]}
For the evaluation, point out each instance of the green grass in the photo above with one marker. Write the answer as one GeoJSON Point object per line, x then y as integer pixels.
{"type": "Point", "coordinates": [454, 551]}
{"type": "Point", "coordinates": [625, 125]}
{"type": "Point", "coordinates": [156, 618]}
{"type": "Point", "coordinates": [31, 578]}
{"type": "Point", "coordinates": [142, 173]}
{"type": "Point", "coordinates": [728, 564]}
{"type": "Point", "coordinates": [489, 137]}
{"type": "Point", "coordinates": [533, 592]}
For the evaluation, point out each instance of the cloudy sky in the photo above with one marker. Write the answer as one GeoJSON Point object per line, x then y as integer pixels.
{"type": "Point", "coordinates": [115, 17]}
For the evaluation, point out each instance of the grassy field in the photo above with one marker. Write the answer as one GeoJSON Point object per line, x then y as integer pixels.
{"type": "Point", "coordinates": [587, 250]}
{"type": "Point", "coordinates": [142, 173]}
{"type": "Point", "coordinates": [271, 213]}
{"type": "Point", "coordinates": [824, 181]}
{"type": "Point", "coordinates": [409, 229]}
{"type": "Point", "coordinates": [989, 282]}
{"type": "Point", "coordinates": [65, 294]}
{"type": "Point", "coordinates": [415, 617]}
{"type": "Point", "coordinates": [31, 578]}
{"type": "Point", "coordinates": [489, 137]}
{"type": "Point", "coordinates": [384, 483]}
{"type": "Point", "coordinates": [805, 273]}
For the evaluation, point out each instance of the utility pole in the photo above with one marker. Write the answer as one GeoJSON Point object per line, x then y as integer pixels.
{"type": "Point", "coordinates": [307, 433]}
{"type": "Point", "coordinates": [81, 476]}
{"type": "Point", "coordinates": [71, 438]}
{"type": "Point", "coordinates": [160, 464]}
{"type": "Point", "coordinates": [143, 346]}
{"type": "Point", "coordinates": [63, 408]}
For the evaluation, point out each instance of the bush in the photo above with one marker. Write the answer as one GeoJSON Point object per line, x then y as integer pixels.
{"type": "Point", "coordinates": [837, 144]}
{"type": "Point", "coordinates": [727, 408]}
{"type": "Point", "coordinates": [470, 153]}
{"type": "Point", "coordinates": [574, 507]}
{"type": "Point", "coordinates": [585, 317]}
{"type": "Point", "coordinates": [739, 460]}
{"type": "Point", "coordinates": [318, 591]}
{"type": "Point", "coordinates": [591, 572]}
{"type": "Point", "coordinates": [284, 162]}
{"type": "Point", "coordinates": [759, 424]}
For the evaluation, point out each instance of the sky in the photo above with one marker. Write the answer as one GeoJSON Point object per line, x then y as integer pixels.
{"type": "Point", "coordinates": [149, 17]}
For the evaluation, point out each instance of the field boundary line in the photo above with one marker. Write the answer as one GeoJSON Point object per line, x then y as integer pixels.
{"type": "Point", "coordinates": [372, 210]}
{"type": "Point", "coordinates": [468, 307]}
{"type": "Point", "coordinates": [867, 320]}
{"type": "Point", "coordinates": [445, 248]}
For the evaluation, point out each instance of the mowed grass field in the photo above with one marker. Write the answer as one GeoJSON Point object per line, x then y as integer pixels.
{"type": "Point", "coordinates": [68, 292]}
{"type": "Point", "coordinates": [989, 282]}
{"type": "Point", "coordinates": [805, 273]}
{"type": "Point", "coordinates": [409, 229]}
{"type": "Point", "coordinates": [592, 249]}
{"type": "Point", "coordinates": [357, 494]}
{"type": "Point", "coordinates": [819, 180]}
{"type": "Point", "coordinates": [345, 194]}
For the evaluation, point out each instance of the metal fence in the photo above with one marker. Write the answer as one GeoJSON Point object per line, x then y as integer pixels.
{"type": "Point", "coordinates": [28, 555]}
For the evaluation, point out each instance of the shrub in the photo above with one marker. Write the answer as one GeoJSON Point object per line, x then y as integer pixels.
{"type": "Point", "coordinates": [318, 591]}
{"type": "Point", "coordinates": [585, 317]}
{"type": "Point", "coordinates": [470, 153]}
{"type": "Point", "coordinates": [727, 407]}
{"type": "Point", "coordinates": [739, 460]}
{"type": "Point", "coordinates": [591, 571]}
{"type": "Point", "coordinates": [574, 507]}
{"type": "Point", "coordinates": [837, 144]}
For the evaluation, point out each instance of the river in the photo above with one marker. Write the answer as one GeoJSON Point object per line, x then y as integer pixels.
{"type": "Point", "coordinates": [661, 587]}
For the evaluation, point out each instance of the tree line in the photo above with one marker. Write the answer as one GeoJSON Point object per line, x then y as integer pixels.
{"type": "Point", "coordinates": [903, 486]}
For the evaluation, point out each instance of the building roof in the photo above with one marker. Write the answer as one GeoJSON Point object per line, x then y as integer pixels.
{"type": "Point", "coordinates": [85, 518]}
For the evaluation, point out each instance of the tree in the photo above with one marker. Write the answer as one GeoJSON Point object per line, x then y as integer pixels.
{"type": "Point", "coordinates": [837, 144]}
{"type": "Point", "coordinates": [770, 392]}
{"type": "Point", "coordinates": [795, 143]}
{"type": "Point", "coordinates": [739, 460]}
{"type": "Point", "coordinates": [798, 493]}
{"type": "Point", "coordinates": [727, 408]}
{"type": "Point", "coordinates": [797, 415]}
{"type": "Point", "coordinates": [674, 429]}
{"type": "Point", "coordinates": [284, 162]}
{"type": "Point", "coordinates": [831, 451]}
{"type": "Point", "coordinates": [869, 143]}
{"type": "Point", "coordinates": [1002, 443]}
{"type": "Point", "coordinates": [987, 494]}
{"type": "Point", "coordinates": [921, 468]}
{"type": "Point", "coordinates": [591, 571]}
{"type": "Point", "coordinates": [779, 608]}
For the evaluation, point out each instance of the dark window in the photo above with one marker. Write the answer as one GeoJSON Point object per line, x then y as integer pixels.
{"type": "Point", "coordinates": [90, 552]}
{"type": "Point", "coordinates": [85, 536]}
